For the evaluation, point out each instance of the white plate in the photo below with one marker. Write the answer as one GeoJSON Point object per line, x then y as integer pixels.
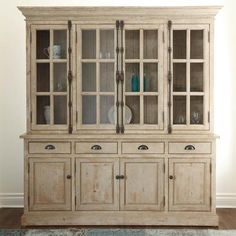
{"type": "Point", "coordinates": [112, 111]}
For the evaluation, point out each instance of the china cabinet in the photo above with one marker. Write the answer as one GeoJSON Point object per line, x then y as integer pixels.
{"type": "Point", "coordinates": [119, 116]}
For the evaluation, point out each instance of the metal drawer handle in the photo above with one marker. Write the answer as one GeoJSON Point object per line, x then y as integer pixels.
{"type": "Point", "coordinates": [143, 147]}
{"type": "Point", "coordinates": [189, 147]}
{"type": "Point", "coordinates": [120, 177]}
{"type": "Point", "coordinates": [68, 176]}
{"type": "Point", "coordinates": [50, 147]}
{"type": "Point", "coordinates": [96, 147]}
{"type": "Point", "coordinates": [172, 177]}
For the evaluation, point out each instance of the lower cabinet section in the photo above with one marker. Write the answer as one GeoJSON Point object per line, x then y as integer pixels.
{"type": "Point", "coordinates": [50, 183]}
{"type": "Point", "coordinates": [189, 184]}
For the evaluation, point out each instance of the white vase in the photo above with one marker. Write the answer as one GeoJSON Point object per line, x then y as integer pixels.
{"type": "Point", "coordinates": [47, 114]}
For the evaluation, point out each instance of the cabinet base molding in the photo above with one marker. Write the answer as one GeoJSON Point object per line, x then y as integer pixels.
{"type": "Point", "coordinates": [120, 218]}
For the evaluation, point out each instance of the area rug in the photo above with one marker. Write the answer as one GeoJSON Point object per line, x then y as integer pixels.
{"type": "Point", "coordinates": [117, 232]}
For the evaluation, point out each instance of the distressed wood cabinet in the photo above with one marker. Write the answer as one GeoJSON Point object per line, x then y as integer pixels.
{"type": "Point", "coordinates": [119, 116]}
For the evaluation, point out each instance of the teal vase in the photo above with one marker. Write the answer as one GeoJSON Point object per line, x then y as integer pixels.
{"type": "Point", "coordinates": [135, 83]}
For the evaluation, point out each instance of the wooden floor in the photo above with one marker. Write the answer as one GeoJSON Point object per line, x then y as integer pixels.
{"type": "Point", "coordinates": [10, 218]}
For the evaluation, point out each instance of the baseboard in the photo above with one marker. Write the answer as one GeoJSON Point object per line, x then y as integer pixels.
{"type": "Point", "coordinates": [223, 200]}
{"type": "Point", "coordinates": [11, 200]}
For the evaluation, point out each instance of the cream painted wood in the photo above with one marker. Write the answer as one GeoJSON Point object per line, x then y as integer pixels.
{"type": "Point", "coordinates": [142, 148]}
{"type": "Point", "coordinates": [49, 147]}
{"type": "Point", "coordinates": [190, 148]}
{"type": "Point", "coordinates": [142, 187]}
{"type": "Point", "coordinates": [49, 184]}
{"type": "Point", "coordinates": [96, 185]}
{"type": "Point", "coordinates": [96, 147]}
{"type": "Point", "coordinates": [189, 188]}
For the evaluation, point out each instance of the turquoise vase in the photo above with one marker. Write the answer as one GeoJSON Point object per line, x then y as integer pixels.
{"type": "Point", "coordinates": [135, 83]}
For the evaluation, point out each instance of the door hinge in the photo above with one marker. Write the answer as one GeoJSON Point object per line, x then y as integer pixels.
{"type": "Point", "coordinates": [163, 36]}
{"type": "Point", "coordinates": [28, 167]}
{"type": "Point", "coordinates": [75, 200]}
{"type": "Point", "coordinates": [164, 167]}
{"type": "Point", "coordinates": [28, 200]}
{"type": "Point", "coordinates": [30, 37]}
{"type": "Point", "coordinates": [210, 201]}
{"type": "Point", "coordinates": [76, 117]}
{"type": "Point", "coordinates": [30, 116]}
{"type": "Point", "coordinates": [210, 168]}
{"type": "Point", "coordinates": [164, 201]}
{"type": "Point", "coordinates": [163, 116]}
{"type": "Point", "coordinates": [209, 117]}
{"type": "Point", "coordinates": [209, 35]}
{"type": "Point", "coordinates": [76, 37]}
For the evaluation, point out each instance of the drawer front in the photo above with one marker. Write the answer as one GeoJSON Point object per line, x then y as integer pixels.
{"type": "Point", "coordinates": [49, 147]}
{"type": "Point", "coordinates": [96, 147]}
{"type": "Point", "coordinates": [143, 148]}
{"type": "Point", "coordinates": [190, 147]}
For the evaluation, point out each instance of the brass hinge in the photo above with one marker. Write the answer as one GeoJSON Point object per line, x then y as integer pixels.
{"type": "Point", "coordinates": [163, 36]}
{"type": "Point", "coordinates": [164, 201]}
{"type": "Point", "coordinates": [30, 116]}
{"type": "Point", "coordinates": [210, 168]}
{"type": "Point", "coordinates": [164, 168]}
{"type": "Point", "coordinates": [209, 117]}
{"type": "Point", "coordinates": [209, 35]}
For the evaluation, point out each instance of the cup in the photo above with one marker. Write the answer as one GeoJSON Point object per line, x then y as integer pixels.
{"type": "Point", "coordinates": [56, 50]}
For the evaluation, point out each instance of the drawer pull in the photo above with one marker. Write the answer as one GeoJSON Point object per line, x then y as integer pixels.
{"type": "Point", "coordinates": [172, 177]}
{"type": "Point", "coordinates": [189, 148]}
{"type": "Point", "coordinates": [68, 176]}
{"type": "Point", "coordinates": [120, 177]}
{"type": "Point", "coordinates": [50, 147]}
{"type": "Point", "coordinates": [143, 147]}
{"type": "Point", "coordinates": [96, 147]}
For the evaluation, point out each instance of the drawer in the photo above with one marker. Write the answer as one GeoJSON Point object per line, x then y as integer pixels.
{"type": "Point", "coordinates": [143, 147]}
{"type": "Point", "coordinates": [96, 147]}
{"type": "Point", "coordinates": [49, 147]}
{"type": "Point", "coordinates": [190, 147]}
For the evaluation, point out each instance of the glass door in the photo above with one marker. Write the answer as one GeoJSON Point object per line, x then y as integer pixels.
{"type": "Point", "coordinates": [96, 77]}
{"type": "Point", "coordinates": [49, 85]}
{"type": "Point", "coordinates": [143, 72]}
{"type": "Point", "coordinates": [190, 62]}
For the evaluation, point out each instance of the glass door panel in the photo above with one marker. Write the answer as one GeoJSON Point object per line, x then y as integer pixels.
{"type": "Point", "coordinates": [88, 44]}
{"type": "Point", "coordinates": [59, 48]}
{"type": "Point", "coordinates": [107, 112]}
{"type": "Point", "coordinates": [179, 110]}
{"type": "Point", "coordinates": [60, 110]}
{"type": "Point", "coordinates": [107, 77]}
{"type": "Point", "coordinates": [132, 77]}
{"type": "Point", "coordinates": [60, 77]}
{"type": "Point", "coordinates": [150, 77]}
{"type": "Point", "coordinates": [196, 110]}
{"type": "Point", "coordinates": [89, 109]}
{"type": "Point", "coordinates": [88, 77]}
{"type": "Point", "coordinates": [43, 77]}
{"type": "Point", "coordinates": [43, 112]}
{"type": "Point", "coordinates": [179, 44]}
{"type": "Point", "coordinates": [132, 44]}
{"type": "Point", "coordinates": [196, 44]}
{"type": "Point", "coordinates": [42, 44]}
{"type": "Point", "coordinates": [179, 77]}
{"type": "Point", "coordinates": [150, 110]}
{"type": "Point", "coordinates": [196, 77]}
{"type": "Point", "coordinates": [150, 44]}
{"type": "Point", "coordinates": [132, 112]}
{"type": "Point", "coordinates": [106, 44]}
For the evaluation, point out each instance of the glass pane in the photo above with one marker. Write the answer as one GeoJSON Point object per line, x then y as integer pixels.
{"type": "Point", "coordinates": [42, 44]}
{"type": "Point", "coordinates": [43, 77]}
{"type": "Point", "coordinates": [60, 110]}
{"type": "Point", "coordinates": [60, 44]}
{"type": "Point", "coordinates": [43, 110]}
{"type": "Point", "coordinates": [132, 110]}
{"type": "Point", "coordinates": [60, 77]}
{"type": "Point", "coordinates": [107, 77]}
{"type": "Point", "coordinates": [196, 110]}
{"type": "Point", "coordinates": [150, 77]}
{"type": "Point", "coordinates": [196, 77]}
{"type": "Point", "coordinates": [196, 44]}
{"type": "Point", "coordinates": [132, 79]}
{"type": "Point", "coordinates": [107, 110]}
{"type": "Point", "coordinates": [88, 44]}
{"type": "Point", "coordinates": [179, 77]}
{"type": "Point", "coordinates": [89, 109]}
{"type": "Point", "coordinates": [179, 110]}
{"type": "Point", "coordinates": [88, 77]}
{"type": "Point", "coordinates": [150, 41]}
{"type": "Point", "coordinates": [150, 109]}
{"type": "Point", "coordinates": [106, 44]}
{"type": "Point", "coordinates": [132, 44]}
{"type": "Point", "coordinates": [179, 44]}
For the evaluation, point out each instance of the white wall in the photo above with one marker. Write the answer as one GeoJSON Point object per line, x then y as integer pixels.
{"type": "Point", "coordinates": [12, 92]}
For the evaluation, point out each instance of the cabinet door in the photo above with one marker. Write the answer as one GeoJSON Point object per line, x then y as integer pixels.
{"type": "Point", "coordinates": [50, 183]}
{"type": "Point", "coordinates": [143, 77]}
{"type": "Point", "coordinates": [143, 184]}
{"type": "Point", "coordinates": [49, 64]}
{"type": "Point", "coordinates": [96, 185]}
{"type": "Point", "coordinates": [191, 77]}
{"type": "Point", "coordinates": [189, 184]}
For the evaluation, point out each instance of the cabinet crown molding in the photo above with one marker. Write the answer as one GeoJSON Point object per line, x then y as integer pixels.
{"type": "Point", "coordinates": [74, 12]}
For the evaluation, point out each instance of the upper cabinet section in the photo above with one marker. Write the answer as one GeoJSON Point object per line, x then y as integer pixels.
{"type": "Point", "coordinates": [120, 70]}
